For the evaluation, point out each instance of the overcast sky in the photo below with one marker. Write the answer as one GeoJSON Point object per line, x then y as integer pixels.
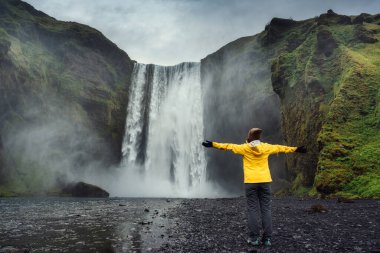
{"type": "Point", "coordinates": [168, 32]}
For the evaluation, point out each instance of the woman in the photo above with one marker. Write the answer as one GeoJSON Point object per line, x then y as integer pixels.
{"type": "Point", "coordinates": [257, 179]}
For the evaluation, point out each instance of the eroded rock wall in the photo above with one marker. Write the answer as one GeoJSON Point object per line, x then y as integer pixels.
{"type": "Point", "coordinates": [63, 72]}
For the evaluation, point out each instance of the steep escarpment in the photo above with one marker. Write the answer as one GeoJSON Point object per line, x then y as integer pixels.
{"type": "Point", "coordinates": [238, 89]}
{"type": "Point", "coordinates": [295, 78]}
{"type": "Point", "coordinates": [238, 95]}
{"type": "Point", "coordinates": [61, 81]}
{"type": "Point", "coordinates": [329, 93]}
{"type": "Point", "coordinates": [324, 74]}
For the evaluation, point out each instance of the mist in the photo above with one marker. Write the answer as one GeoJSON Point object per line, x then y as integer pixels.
{"type": "Point", "coordinates": [238, 95]}
{"type": "Point", "coordinates": [53, 145]}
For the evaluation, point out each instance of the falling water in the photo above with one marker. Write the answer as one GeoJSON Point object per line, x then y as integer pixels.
{"type": "Point", "coordinates": [164, 127]}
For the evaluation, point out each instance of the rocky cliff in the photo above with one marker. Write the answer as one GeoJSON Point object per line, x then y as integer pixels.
{"type": "Point", "coordinates": [60, 81]}
{"type": "Point", "coordinates": [326, 75]}
{"type": "Point", "coordinates": [238, 95]}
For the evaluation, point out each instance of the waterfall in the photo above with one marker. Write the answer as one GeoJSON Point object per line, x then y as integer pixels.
{"type": "Point", "coordinates": [161, 149]}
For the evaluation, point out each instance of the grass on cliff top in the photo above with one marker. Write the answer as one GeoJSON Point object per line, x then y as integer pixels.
{"type": "Point", "coordinates": [28, 16]}
{"type": "Point", "coordinates": [45, 69]}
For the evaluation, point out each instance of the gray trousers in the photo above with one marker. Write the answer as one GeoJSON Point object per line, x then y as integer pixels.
{"type": "Point", "coordinates": [259, 200]}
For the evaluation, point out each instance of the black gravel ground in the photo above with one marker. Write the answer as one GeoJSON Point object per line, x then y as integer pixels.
{"type": "Point", "coordinates": [183, 225]}
{"type": "Point", "coordinates": [82, 225]}
{"type": "Point", "coordinates": [209, 225]}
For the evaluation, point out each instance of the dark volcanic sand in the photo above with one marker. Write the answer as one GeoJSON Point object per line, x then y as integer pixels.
{"type": "Point", "coordinates": [190, 225]}
{"type": "Point", "coordinates": [220, 226]}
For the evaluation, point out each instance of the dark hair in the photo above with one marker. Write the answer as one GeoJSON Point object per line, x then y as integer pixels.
{"type": "Point", "coordinates": [254, 134]}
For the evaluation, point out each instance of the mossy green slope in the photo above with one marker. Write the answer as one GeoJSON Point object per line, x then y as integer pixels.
{"type": "Point", "coordinates": [46, 64]}
{"type": "Point", "coordinates": [350, 138]}
{"type": "Point", "coordinates": [329, 89]}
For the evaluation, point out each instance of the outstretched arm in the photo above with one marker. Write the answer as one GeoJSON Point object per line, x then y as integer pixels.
{"type": "Point", "coordinates": [237, 149]}
{"type": "Point", "coordinates": [286, 149]}
{"type": "Point", "coordinates": [281, 149]}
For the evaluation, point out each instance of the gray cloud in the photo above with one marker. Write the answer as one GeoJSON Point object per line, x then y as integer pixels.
{"type": "Point", "coordinates": [167, 32]}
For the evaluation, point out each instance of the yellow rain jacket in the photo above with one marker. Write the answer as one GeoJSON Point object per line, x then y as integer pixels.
{"type": "Point", "coordinates": [255, 158]}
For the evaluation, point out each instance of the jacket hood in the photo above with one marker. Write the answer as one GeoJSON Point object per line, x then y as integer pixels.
{"type": "Point", "coordinates": [256, 147]}
{"type": "Point", "coordinates": [254, 143]}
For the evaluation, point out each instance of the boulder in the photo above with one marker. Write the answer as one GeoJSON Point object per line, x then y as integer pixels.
{"type": "Point", "coordinates": [82, 189]}
{"type": "Point", "coordinates": [331, 18]}
{"type": "Point", "coordinates": [276, 29]}
{"type": "Point", "coordinates": [363, 17]}
{"type": "Point", "coordinates": [365, 36]}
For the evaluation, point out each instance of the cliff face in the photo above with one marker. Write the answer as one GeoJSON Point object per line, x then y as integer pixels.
{"type": "Point", "coordinates": [238, 89]}
{"type": "Point", "coordinates": [238, 95]}
{"type": "Point", "coordinates": [326, 77]}
{"type": "Point", "coordinates": [62, 73]}
{"type": "Point", "coordinates": [329, 93]}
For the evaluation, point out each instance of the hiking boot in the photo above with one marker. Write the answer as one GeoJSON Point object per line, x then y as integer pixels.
{"type": "Point", "coordinates": [267, 242]}
{"type": "Point", "coordinates": [253, 241]}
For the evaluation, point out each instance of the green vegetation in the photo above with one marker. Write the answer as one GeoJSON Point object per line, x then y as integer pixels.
{"type": "Point", "coordinates": [363, 186]}
{"type": "Point", "coordinates": [349, 161]}
{"type": "Point", "coordinates": [329, 87]}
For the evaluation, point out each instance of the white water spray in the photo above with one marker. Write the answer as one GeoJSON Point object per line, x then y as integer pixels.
{"type": "Point", "coordinates": [162, 155]}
